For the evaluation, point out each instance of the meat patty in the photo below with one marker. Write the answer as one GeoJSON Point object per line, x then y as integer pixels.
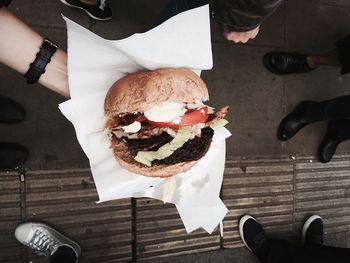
{"type": "Point", "coordinates": [192, 150]}
{"type": "Point", "coordinates": [150, 144]}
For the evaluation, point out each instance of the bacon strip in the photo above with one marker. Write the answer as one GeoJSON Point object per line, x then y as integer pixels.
{"type": "Point", "coordinates": [136, 145]}
{"type": "Point", "coordinates": [217, 115]}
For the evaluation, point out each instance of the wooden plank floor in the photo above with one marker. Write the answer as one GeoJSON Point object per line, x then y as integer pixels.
{"type": "Point", "coordinates": [280, 193]}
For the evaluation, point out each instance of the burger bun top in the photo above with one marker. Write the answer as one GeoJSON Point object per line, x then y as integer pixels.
{"type": "Point", "coordinates": [140, 91]}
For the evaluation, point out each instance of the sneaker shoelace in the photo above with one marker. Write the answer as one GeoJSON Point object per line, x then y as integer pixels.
{"type": "Point", "coordinates": [318, 239]}
{"type": "Point", "coordinates": [102, 5]}
{"type": "Point", "coordinates": [42, 243]}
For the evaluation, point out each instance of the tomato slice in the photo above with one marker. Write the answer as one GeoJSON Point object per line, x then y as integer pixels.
{"type": "Point", "coordinates": [190, 118]}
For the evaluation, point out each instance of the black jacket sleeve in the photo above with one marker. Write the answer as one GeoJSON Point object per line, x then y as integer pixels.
{"type": "Point", "coordinates": [4, 3]}
{"type": "Point", "coordinates": [242, 15]}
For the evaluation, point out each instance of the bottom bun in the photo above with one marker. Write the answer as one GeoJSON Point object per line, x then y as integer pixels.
{"type": "Point", "coordinates": [127, 161]}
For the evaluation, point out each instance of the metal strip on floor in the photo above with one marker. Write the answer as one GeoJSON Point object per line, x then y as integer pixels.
{"type": "Point", "coordinates": [263, 189]}
{"type": "Point", "coordinates": [10, 217]}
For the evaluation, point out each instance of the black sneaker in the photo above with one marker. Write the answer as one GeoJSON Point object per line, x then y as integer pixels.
{"type": "Point", "coordinates": [10, 111]}
{"type": "Point", "coordinates": [101, 11]}
{"type": "Point", "coordinates": [282, 63]}
{"type": "Point", "coordinates": [312, 233]}
{"type": "Point", "coordinates": [252, 234]}
{"type": "Point", "coordinates": [12, 155]}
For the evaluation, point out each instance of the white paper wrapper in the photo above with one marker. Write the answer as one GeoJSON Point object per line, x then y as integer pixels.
{"type": "Point", "coordinates": [94, 64]}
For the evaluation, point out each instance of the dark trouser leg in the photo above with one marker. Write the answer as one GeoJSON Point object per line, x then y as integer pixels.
{"type": "Point", "coordinates": [175, 7]}
{"type": "Point", "coordinates": [334, 109]}
{"type": "Point", "coordinates": [337, 132]}
{"type": "Point", "coordinates": [340, 129]}
{"type": "Point", "coordinates": [277, 251]}
{"type": "Point", "coordinates": [322, 254]}
{"type": "Point", "coordinates": [343, 47]}
{"type": "Point", "coordinates": [64, 254]}
{"type": "Point", "coordinates": [281, 251]}
{"type": "Point", "coordinates": [338, 108]}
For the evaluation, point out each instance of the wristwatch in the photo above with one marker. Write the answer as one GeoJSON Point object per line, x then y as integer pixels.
{"type": "Point", "coordinates": [43, 57]}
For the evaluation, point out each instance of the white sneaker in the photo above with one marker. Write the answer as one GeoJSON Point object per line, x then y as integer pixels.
{"type": "Point", "coordinates": [44, 239]}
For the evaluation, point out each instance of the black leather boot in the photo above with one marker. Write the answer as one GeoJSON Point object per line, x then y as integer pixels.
{"type": "Point", "coordinates": [327, 149]}
{"type": "Point", "coordinates": [294, 121]}
{"type": "Point", "coordinates": [12, 155]}
{"type": "Point", "coordinates": [337, 132]}
{"type": "Point", "coordinates": [10, 111]}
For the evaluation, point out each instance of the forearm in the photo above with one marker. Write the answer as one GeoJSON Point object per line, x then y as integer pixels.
{"type": "Point", "coordinates": [18, 47]}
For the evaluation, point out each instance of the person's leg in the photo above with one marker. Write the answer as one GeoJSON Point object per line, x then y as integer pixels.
{"type": "Point", "coordinates": [313, 250]}
{"type": "Point", "coordinates": [286, 63]}
{"type": "Point", "coordinates": [322, 254]}
{"type": "Point", "coordinates": [175, 7]}
{"type": "Point", "coordinates": [337, 131]}
{"type": "Point", "coordinates": [47, 241]}
{"type": "Point", "coordinates": [343, 46]}
{"type": "Point", "coordinates": [333, 109]}
{"type": "Point", "coordinates": [266, 250]}
{"type": "Point", "coordinates": [310, 111]}
{"type": "Point", "coordinates": [277, 250]}
{"type": "Point", "coordinates": [330, 58]}
{"type": "Point", "coordinates": [63, 254]}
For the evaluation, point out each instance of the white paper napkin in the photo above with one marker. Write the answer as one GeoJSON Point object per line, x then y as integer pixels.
{"type": "Point", "coordinates": [94, 64]}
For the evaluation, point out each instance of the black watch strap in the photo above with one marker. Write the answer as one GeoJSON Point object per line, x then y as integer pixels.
{"type": "Point", "coordinates": [43, 57]}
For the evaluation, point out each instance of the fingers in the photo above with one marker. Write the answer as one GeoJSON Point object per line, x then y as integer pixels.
{"type": "Point", "coordinates": [241, 37]}
{"type": "Point", "coordinates": [254, 32]}
{"type": "Point", "coordinates": [237, 37]}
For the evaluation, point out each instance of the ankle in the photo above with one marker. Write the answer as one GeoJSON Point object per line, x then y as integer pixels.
{"type": "Point", "coordinates": [63, 253]}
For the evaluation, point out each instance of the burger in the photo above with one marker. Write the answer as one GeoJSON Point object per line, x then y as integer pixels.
{"type": "Point", "coordinates": [157, 121]}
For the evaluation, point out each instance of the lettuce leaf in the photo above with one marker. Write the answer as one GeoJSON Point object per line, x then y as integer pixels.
{"type": "Point", "coordinates": [218, 124]}
{"type": "Point", "coordinates": [182, 136]}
